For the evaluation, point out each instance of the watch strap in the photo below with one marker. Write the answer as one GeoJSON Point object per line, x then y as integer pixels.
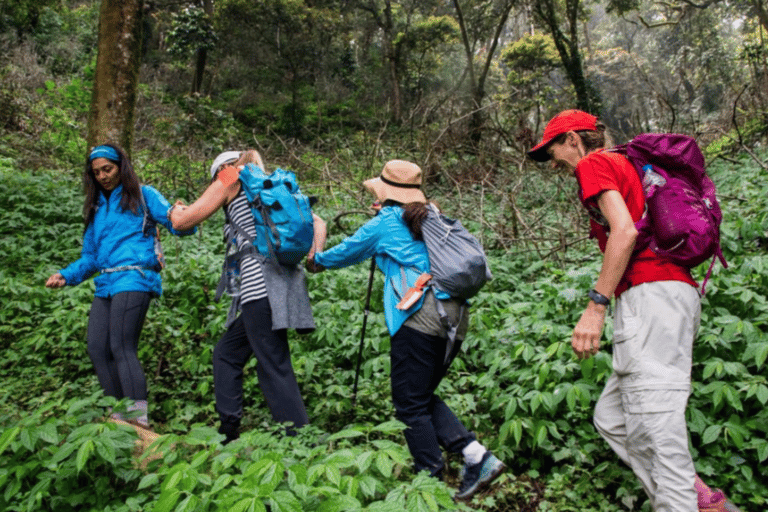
{"type": "Point", "coordinates": [599, 298]}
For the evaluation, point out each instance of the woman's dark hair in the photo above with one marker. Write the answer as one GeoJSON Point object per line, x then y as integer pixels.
{"type": "Point", "coordinates": [131, 197]}
{"type": "Point", "coordinates": [413, 215]}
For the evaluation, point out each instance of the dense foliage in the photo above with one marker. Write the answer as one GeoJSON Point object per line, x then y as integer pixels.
{"type": "Point", "coordinates": [517, 383]}
{"type": "Point", "coordinates": [313, 86]}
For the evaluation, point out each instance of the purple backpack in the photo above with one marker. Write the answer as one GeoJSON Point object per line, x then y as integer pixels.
{"type": "Point", "coordinates": [682, 220]}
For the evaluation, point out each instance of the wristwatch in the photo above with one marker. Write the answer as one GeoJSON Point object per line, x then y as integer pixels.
{"type": "Point", "coordinates": [599, 298]}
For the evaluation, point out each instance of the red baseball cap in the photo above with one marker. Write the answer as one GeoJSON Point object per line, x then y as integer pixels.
{"type": "Point", "coordinates": [565, 121]}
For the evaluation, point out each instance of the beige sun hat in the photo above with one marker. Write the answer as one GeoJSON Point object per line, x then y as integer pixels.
{"type": "Point", "coordinates": [400, 181]}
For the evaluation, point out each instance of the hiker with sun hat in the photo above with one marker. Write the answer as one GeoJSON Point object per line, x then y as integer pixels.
{"type": "Point", "coordinates": [420, 352]}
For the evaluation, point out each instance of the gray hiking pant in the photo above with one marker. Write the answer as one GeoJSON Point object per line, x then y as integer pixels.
{"type": "Point", "coordinates": [641, 412]}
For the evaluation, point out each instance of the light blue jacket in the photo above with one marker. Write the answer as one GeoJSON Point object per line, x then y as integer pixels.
{"type": "Point", "coordinates": [114, 239]}
{"type": "Point", "coordinates": [401, 258]}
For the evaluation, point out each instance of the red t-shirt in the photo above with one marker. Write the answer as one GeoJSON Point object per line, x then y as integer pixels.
{"type": "Point", "coordinates": [605, 170]}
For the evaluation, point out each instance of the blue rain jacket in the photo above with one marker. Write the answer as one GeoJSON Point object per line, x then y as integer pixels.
{"type": "Point", "coordinates": [401, 258]}
{"type": "Point", "coordinates": [114, 239]}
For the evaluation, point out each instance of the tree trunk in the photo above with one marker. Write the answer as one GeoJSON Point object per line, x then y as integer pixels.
{"type": "Point", "coordinates": [386, 24]}
{"type": "Point", "coordinates": [201, 55]}
{"type": "Point", "coordinates": [477, 81]}
{"type": "Point", "coordinates": [117, 73]}
{"type": "Point", "coordinates": [587, 97]}
{"type": "Point", "coordinates": [390, 54]}
{"type": "Point", "coordinates": [762, 12]}
{"type": "Point", "coordinates": [197, 80]}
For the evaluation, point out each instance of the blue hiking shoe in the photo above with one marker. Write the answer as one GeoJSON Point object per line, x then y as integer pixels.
{"type": "Point", "coordinates": [478, 476]}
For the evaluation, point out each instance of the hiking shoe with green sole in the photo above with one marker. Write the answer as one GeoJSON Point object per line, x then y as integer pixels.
{"type": "Point", "coordinates": [478, 476]}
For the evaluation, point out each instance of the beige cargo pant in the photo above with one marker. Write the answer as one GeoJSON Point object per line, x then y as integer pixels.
{"type": "Point", "coordinates": [641, 412]}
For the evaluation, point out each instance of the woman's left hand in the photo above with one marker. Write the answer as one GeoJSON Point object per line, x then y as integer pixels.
{"type": "Point", "coordinates": [313, 267]}
{"type": "Point", "coordinates": [55, 281]}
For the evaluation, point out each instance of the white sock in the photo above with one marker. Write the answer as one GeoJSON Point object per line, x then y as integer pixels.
{"type": "Point", "coordinates": [473, 453]}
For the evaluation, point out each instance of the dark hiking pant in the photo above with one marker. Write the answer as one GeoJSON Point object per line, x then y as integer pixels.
{"type": "Point", "coordinates": [114, 326]}
{"type": "Point", "coordinates": [417, 369]}
{"type": "Point", "coordinates": [251, 334]}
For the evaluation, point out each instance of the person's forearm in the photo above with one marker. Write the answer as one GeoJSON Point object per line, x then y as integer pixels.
{"type": "Point", "coordinates": [618, 252]}
{"type": "Point", "coordinates": [183, 217]}
{"type": "Point", "coordinates": [320, 234]}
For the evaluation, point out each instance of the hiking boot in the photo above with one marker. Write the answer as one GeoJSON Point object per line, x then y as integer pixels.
{"type": "Point", "coordinates": [478, 476]}
{"type": "Point", "coordinates": [231, 429]}
{"type": "Point", "coordinates": [718, 503]}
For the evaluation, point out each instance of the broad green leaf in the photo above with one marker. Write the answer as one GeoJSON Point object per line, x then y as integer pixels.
{"type": "Point", "coordinates": [384, 464]}
{"type": "Point", "coordinates": [345, 434]}
{"type": "Point", "coordinates": [333, 474]}
{"type": "Point", "coordinates": [47, 432]}
{"type": "Point", "coordinates": [85, 450]}
{"type": "Point", "coordinates": [199, 459]}
{"type": "Point", "coordinates": [711, 434]}
{"type": "Point", "coordinates": [517, 431]}
{"type": "Point", "coordinates": [167, 500]}
{"type": "Point", "coordinates": [221, 482]}
{"type": "Point", "coordinates": [363, 461]}
{"type": "Point", "coordinates": [368, 484]}
{"type": "Point", "coordinates": [28, 437]}
{"type": "Point", "coordinates": [762, 451]}
{"type": "Point", "coordinates": [173, 479]}
{"type": "Point", "coordinates": [106, 449]}
{"type": "Point", "coordinates": [244, 504]}
{"type": "Point", "coordinates": [587, 365]}
{"type": "Point", "coordinates": [7, 437]}
{"type": "Point", "coordinates": [762, 393]}
{"type": "Point", "coordinates": [189, 504]}
{"type": "Point", "coordinates": [149, 480]}
{"type": "Point", "coordinates": [570, 398]}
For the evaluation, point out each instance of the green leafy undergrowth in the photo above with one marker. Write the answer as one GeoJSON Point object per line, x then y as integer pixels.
{"type": "Point", "coordinates": [68, 458]}
{"type": "Point", "coordinates": [516, 384]}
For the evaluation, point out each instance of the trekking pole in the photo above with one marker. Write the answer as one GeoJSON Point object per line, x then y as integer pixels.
{"type": "Point", "coordinates": [362, 334]}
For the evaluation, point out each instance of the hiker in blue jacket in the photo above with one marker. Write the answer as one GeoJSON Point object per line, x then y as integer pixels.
{"type": "Point", "coordinates": [419, 340]}
{"type": "Point", "coordinates": [121, 247]}
{"type": "Point", "coordinates": [268, 300]}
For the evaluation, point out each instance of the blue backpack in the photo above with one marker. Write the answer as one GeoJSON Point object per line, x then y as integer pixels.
{"type": "Point", "coordinates": [281, 213]}
{"type": "Point", "coordinates": [282, 216]}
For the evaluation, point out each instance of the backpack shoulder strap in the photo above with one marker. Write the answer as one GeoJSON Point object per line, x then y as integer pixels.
{"type": "Point", "coordinates": [450, 328]}
{"type": "Point", "coordinates": [148, 224]}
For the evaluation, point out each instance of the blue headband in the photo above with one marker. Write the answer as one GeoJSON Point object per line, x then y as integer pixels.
{"type": "Point", "coordinates": [107, 152]}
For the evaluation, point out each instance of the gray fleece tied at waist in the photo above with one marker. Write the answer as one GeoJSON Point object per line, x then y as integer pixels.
{"type": "Point", "coordinates": [288, 297]}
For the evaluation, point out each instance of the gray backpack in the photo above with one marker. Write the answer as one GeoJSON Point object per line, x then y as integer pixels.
{"type": "Point", "coordinates": [457, 264]}
{"type": "Point", "coordinates": [457, 260]}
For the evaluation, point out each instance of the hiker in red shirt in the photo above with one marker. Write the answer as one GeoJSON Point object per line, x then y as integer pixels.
{"type": "Point", "coordinates": [641, 412]}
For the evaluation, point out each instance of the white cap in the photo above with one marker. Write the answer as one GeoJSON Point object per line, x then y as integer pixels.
{"type": "Point", "coordinates": [226, 157]}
